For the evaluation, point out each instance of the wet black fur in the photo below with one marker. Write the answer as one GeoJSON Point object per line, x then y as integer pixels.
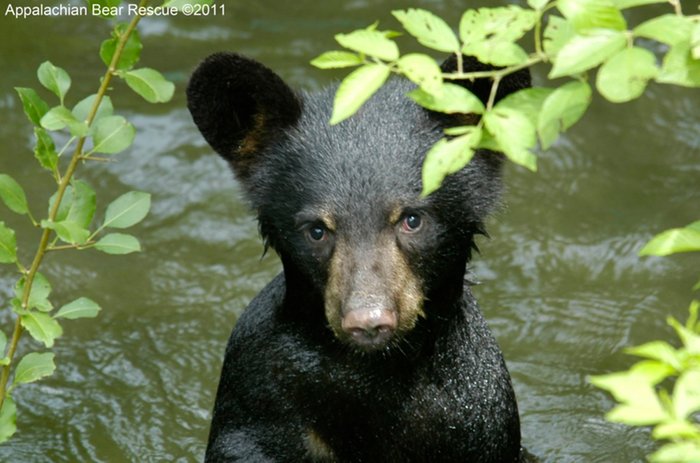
{"type": "Point", "coordinates": [440, 393]}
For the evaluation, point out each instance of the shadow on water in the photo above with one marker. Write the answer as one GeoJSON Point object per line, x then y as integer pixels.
{"type": "Point", "coordinates": [562, 285]}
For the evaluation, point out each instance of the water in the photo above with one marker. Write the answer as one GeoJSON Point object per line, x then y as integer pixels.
{"type": "Point", "coordinates": [562, 285]}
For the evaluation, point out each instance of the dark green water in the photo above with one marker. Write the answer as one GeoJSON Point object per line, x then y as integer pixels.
{"type": "Point", "coordinates": [562, 286]}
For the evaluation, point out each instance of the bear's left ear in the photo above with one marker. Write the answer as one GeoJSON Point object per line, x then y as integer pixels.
{"type": "Point", "coordinates": [238, 104]}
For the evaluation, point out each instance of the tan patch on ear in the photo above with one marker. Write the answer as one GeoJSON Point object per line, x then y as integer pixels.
{"type": "Point", "coordinates": [316, 448]}
{"type": "Point", "coordinates": [243, 157]}
{"type": "Point", "coordinates": [251, 141]}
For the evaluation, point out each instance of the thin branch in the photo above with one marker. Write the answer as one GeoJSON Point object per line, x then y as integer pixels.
{"type": "Point", "coordinates": [65, 181]}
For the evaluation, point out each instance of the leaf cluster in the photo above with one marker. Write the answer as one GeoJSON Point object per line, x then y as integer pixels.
{"type": "Point", "coordinates": [573, 36]}
{"type": "Point", "coordinates": [644, 401]}
{"type": "Point", "coordinates": [94, 133]}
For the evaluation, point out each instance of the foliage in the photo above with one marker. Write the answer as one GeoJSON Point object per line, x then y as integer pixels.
{"type": "Point", "coordinates": [644, 402]}
{"type": "Point", "coordinates": [583, 35]}
{"type": "Point", "coordinates": [575, 37]}
{"type": "Point", "coordinates": [94, 133]}
{"type": "Point", "coordinates": [642, 399]}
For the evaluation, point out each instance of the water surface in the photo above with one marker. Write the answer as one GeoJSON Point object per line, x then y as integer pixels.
{"type": "Point", "coordinates": [562, 285]}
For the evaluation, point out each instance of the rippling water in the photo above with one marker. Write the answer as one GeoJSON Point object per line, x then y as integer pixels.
{"type": "Point", "coordinates": [561, 283]}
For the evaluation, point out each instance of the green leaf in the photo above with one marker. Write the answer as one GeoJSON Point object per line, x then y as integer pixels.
{"type": "Point", "coordinates": [54, 78]}
{"type": "Point", "coordinates": [8, 246]}
{"type": "Point", "coordinates": [131, 52]}
{"type": "Point", "coordinates": [83, 204]}
{"type": "Point", "coordinates": [514, 133]}
{"type": "Point", "coordinates": [45, 150]}
{"type": "Point", "coordinates": [34, 106]}
{"type": "Point", "coordinates": [528, 101]}
{"type": "Point", "coordinates": [356, 89]}
{"type": "Point", "coordinates": [8, 417]}
{"type": "Point", "coordinates": [431, 31]}
{"type": "Point", "coordinates": [453, 99]}
{"type": "Point", "coordinates": [39, 296]}
{"type": "Point", "coordinates": [689, 338]}
{"type": "Point", "coordinates": [459, 130]}
{"type": "Point", "coordinates": [669, 29]}
{"type": "Point", "coordinates": [561, 109]}
{"type": "Point", "coordinates": [127, 210]}
{"type": "Point", "coordinates": [634, 389]}
{"type": "Point", "coordinates": [33, 367]}
{"type": "Point", "coordinates": [447, 157]}
{"type": "Point", "coordinates": [695, 42]}
{"type": "Point", "coordinates": [622, 4]}
{"type": "Point", "coordinates": [13, 195]}
{"type": "Point", "coordinates": [118, 243]}
{"type": "Point", "coordinates": [81, 111]}
{"type": "Point", "coordinates": [112, 134]}
{"type": "Point", "coordinates": [677, 452]}
{"type": "Point", "coordinates": [336, 59]}
{"type": "Point", "coordinates": [370, 42]}
{"type": "Point", "coordinates": [642, 413]}
{"type": "Point", "coordinates": [592, 14]}
{"type": "Point", "coordinates": [679, 67]}
{"type": "Point", "coordinates": [3, 342]}
{"type": "Point", "coordinates": [150, 84]}
{"type": "Point", "coordinates": [41, 327]}
{"type": "Point", "coordinates": [676, 429]}
{"type": "Point", "coordinates": [646, 372]}
{"type": "Point", "coordinates": [422, 70]}
{"type": "Point", "coordinates": [686, 394]}
{"type": "Point", "coordinates": [59, 117]}
{"type": "Point", "coordinates": [499, 24]}
{"type": "Point", "coordinates": [488, 142]}
{"type": "Point", "coordinates": [558, 33]}
{"type": "Point", "coordinates": [584, 52]}
{"type": "Point", "coordinates": [65, 205]}
{"type": "Point", "coordinates": [658, 350]}
{"type": "Point", "coordinates": [68, 231]}
{"type": "Point", "coordinates": [625, 75]}
{"type": "Point", "coordinates": [78, 204]}
{"type": "Point", "coordinates": [673, 241]}
{"type": "Point", "coordinates": [79, 308]}
{"type": "Point", "coordinates": [490, 33]}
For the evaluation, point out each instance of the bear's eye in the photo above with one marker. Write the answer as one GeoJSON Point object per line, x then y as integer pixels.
{"type": "Point", "coordinates": [317, 233]}
{"type": "Point", "coordinates": [411, 223]}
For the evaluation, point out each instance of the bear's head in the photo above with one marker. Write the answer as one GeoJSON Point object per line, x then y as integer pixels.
{"type": "Point", "coordinates": [363, 252]}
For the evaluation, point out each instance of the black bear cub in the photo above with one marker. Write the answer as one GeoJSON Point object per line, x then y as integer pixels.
{"type": "Point", "coordinates": [368, 347]}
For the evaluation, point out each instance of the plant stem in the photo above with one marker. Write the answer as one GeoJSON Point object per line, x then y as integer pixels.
{"type": "Point", "coordinates": [538, 38]}
{"type": "Point", "coordinates": [494, 91]}
{"type": "Point", "coordinates": [500, 73]}
{"type": "Point", "coordinates": [64, 247]}
{"type": "Point", "coordinates": [676, 6]}
{"type": "Point", "coordinates": [63, 185]}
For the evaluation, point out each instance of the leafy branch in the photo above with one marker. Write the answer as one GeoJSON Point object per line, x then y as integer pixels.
{"type": "Point", "coordinates": [586, 34]}
{"type": "Point", "coordinates": [93, 129]}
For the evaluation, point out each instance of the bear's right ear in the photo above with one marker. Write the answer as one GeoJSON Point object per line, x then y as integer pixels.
{"type": "Point", "coordinates": [238, 105]}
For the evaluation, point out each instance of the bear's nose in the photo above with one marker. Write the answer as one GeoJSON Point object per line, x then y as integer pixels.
{"type": "Point", "coordinates": [370, 327]}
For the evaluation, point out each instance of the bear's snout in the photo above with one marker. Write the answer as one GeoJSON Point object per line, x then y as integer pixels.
{"type": "Point", "coordinates": [370, 328]}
